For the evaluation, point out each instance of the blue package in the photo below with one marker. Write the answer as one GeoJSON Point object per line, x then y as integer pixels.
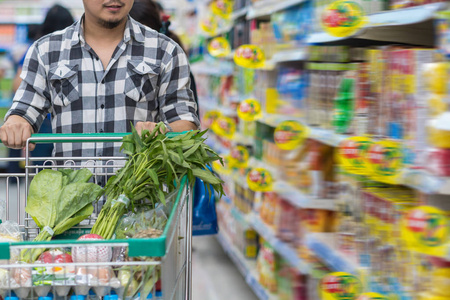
{"type": "Point", "coordinates": [204, 210]}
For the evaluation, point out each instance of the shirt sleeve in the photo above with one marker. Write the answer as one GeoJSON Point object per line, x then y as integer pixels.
{"type": "Point", "coordinates": [32, 99]}
{"type": "Point", "coordinates": [176, 100]}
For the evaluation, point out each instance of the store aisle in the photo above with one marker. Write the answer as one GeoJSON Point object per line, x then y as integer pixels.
{"type": "Point", "coordinates": [215, 277]}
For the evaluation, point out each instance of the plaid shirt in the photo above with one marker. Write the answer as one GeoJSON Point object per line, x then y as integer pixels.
{"type": "Point", "coordinates": [147, 79]}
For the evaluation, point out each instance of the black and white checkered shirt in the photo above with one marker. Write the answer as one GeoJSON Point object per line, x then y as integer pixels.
{"type": "Point", "coordinates": [147, 79]}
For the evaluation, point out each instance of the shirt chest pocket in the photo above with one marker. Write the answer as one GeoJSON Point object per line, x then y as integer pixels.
{"type": "Point", "coordinates": [63, 81]}
{"type": "Point", "coordinates": [141, 81]}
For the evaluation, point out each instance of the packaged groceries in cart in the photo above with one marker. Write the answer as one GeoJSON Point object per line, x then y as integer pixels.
{"type": "Point", "coordinates": [129, 240]}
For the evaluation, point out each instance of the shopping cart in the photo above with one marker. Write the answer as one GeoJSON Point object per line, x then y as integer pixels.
{"type": "Point", "coordinates": [167, 258]}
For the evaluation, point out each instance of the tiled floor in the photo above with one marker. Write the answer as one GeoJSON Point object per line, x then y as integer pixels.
{"type": "Point", "coordinates": [214, 276]}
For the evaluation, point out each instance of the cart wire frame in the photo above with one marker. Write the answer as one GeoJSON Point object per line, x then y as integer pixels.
{"type": "Point", "coordinates": [168, 257]}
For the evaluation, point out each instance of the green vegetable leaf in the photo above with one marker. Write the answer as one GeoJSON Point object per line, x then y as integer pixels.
{"type": "Point", "coordinates": [42, 197]}
{"type": "Point", "coordinates": [81, 215]}
{"type": "Point", "coordinates": [192, 150]}
{"type": "Point", "coordinates": [153, 176]}
{"type": "Point", "coordinates": [206, 176]}
{"type": "Point", "coordinates": [82, 175]}
{"type": "Point", "coordinates": [162, 197]}
{"type": "Point", "coordinates": [73, 198]}
{"type": "Point", "coordinates": [177, 159]}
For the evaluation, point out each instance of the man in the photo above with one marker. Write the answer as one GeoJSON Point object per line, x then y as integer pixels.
{"type": "Point", "coordinates": [100, 75]}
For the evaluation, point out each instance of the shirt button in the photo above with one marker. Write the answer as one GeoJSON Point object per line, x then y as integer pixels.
{"type": "Point", "coordinates": [102, 106]}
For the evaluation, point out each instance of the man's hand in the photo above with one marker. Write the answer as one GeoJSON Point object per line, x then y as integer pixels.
{"type": "Point", "coordinates": [141, 126]}
{"type": "Point", "coordinates": [15, 132]}
{"type": "Point", "coordinates": [177, 126]}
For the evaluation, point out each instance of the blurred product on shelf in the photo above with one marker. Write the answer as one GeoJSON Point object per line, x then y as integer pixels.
{"type": "Point", "coordinates": [267, 264]}
{"type": "Point", "coordinates": [291, 285]}
{"type": "Point", "coordinates": [291, 87]}
{"type": "Point", "coordinates": [243, 237]}
{"type": "Point", "coordinates": [376, 116]}
{"type": "Point", "coordinates": [244, 198]}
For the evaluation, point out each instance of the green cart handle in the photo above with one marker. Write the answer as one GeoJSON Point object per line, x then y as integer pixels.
{"type": "Point", "coordinates": [77, 137]}
{"type": "Point", "coordinates": [45, 138]}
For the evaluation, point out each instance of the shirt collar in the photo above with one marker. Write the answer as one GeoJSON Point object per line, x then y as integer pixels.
{"type": "Point", "coordinates": [78, 33]}
{"type": "Point", "coordinates": [132, 29]}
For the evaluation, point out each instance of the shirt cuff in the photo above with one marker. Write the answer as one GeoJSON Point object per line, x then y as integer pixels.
{"type": "Point", "coordinates": [19, 113]}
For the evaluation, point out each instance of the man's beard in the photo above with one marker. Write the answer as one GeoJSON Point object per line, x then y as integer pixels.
{"type": "Point", "coordinates": [109, 24]}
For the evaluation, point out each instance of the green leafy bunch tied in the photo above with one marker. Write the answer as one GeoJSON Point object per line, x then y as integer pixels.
{"type": "Point", "coordinates": [155, 167]}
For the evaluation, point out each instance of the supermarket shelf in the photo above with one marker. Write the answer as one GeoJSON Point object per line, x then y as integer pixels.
{"type": "Point", "coordinates": [239, 13]}
{"type": "Point", "coordinates": [268, 7]}
{"type": "Point", "coordinates": [326, 136]}
{"type": "Point", "coordinates": [222, 31]}
{"type": "Point", "coordinates": [445, 186]}
{"type": "Point", "coordinates": [323, 246]}
{"type": "Point", "coordinates": [274, 120]}
{"type": "Point", "coordinates": [394, 19]}
{"type": "Point", "coordinates": [292, 194]}
{"type": "Point", "coordinates": [208, 104]}
{"type": "Point", "coordinates": [286, 251]}
{"type": "Point", "coordinates": [424, 181]}
{"type": "Point", "coordinates": [246, 267]}
{"type": "Point", "coordinates": [290, 55]}
{"type": "Point", "coordinates": [212, 67]}
{"type": "Point", "coordinates": [412, 177]}
{"type": "Point", "coordinates": [299, 199]}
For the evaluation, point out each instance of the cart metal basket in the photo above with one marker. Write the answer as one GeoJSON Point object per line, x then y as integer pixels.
{"type": "Point", "coordinates": [156, 267]}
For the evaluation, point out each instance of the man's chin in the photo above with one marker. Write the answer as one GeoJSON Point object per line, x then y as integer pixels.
{"type": "Point", "coordinates": [110, 24]}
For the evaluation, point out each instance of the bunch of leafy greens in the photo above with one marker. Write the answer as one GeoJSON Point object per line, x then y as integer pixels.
{"type": "Point", "coordinates": [59, 200]}
{"type": "Point", "coordinates": [155, 167]}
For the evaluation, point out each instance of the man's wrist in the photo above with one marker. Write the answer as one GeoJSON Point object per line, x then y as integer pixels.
{"type": "Point", "coordinates": [168, 127]}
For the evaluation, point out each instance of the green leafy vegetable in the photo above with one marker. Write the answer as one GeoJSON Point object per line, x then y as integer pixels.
{"type": "Point", "coordinates": [155, 167]}
{"type": "Point", "coordinates": [59, 200]}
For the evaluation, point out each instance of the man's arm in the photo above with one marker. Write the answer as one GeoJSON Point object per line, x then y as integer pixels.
{"type": "Point", "coordinates": [177, 126]}
{"type": "Point", "coordinates": [176, 100]}
{"type": "Point", "coordinates": [30, 105]}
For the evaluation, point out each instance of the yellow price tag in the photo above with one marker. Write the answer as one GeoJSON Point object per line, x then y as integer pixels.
{"type": "Point", "coordinates": [289, 135]}
{"type": "Point", "coordinates": [340, 286]}
{"type": "Point", "coordinates": [385, 161]}
{"type": "Point", "coordinates": [222, 8]}
{"type": "Point", "coordinates": [210, 117]}
{"type": "Point", "coordinates": [372, 296]}
{"type": "Point", "coordinates": [219, 47]}
{"type": "Point", "coordinates": [351, 154]}
{"type": "Point", "coordinates": [209, 25]}
{"type": "Point", "coordinates": [343, 18]}
{"type": "Point", "coordinates": [425, 229]}
{"type": "Point", "coordinates": [249, 110]}
{"type": "Point", "coordinates": [224, 127]}
{"type": "Point", "coordinates": [239, 157]}
{"type": "Point", "coordinates": [259, 180]}
{"type": "Point", "coordinates": [249, 56]}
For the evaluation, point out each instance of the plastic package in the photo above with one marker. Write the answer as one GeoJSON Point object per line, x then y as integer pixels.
{"type": "Point", "coordinates": [204, 210]}
{"type": "Point", "coordinates": [10, 233]}
{"type": "Point", "coordinates": [133, 224]}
